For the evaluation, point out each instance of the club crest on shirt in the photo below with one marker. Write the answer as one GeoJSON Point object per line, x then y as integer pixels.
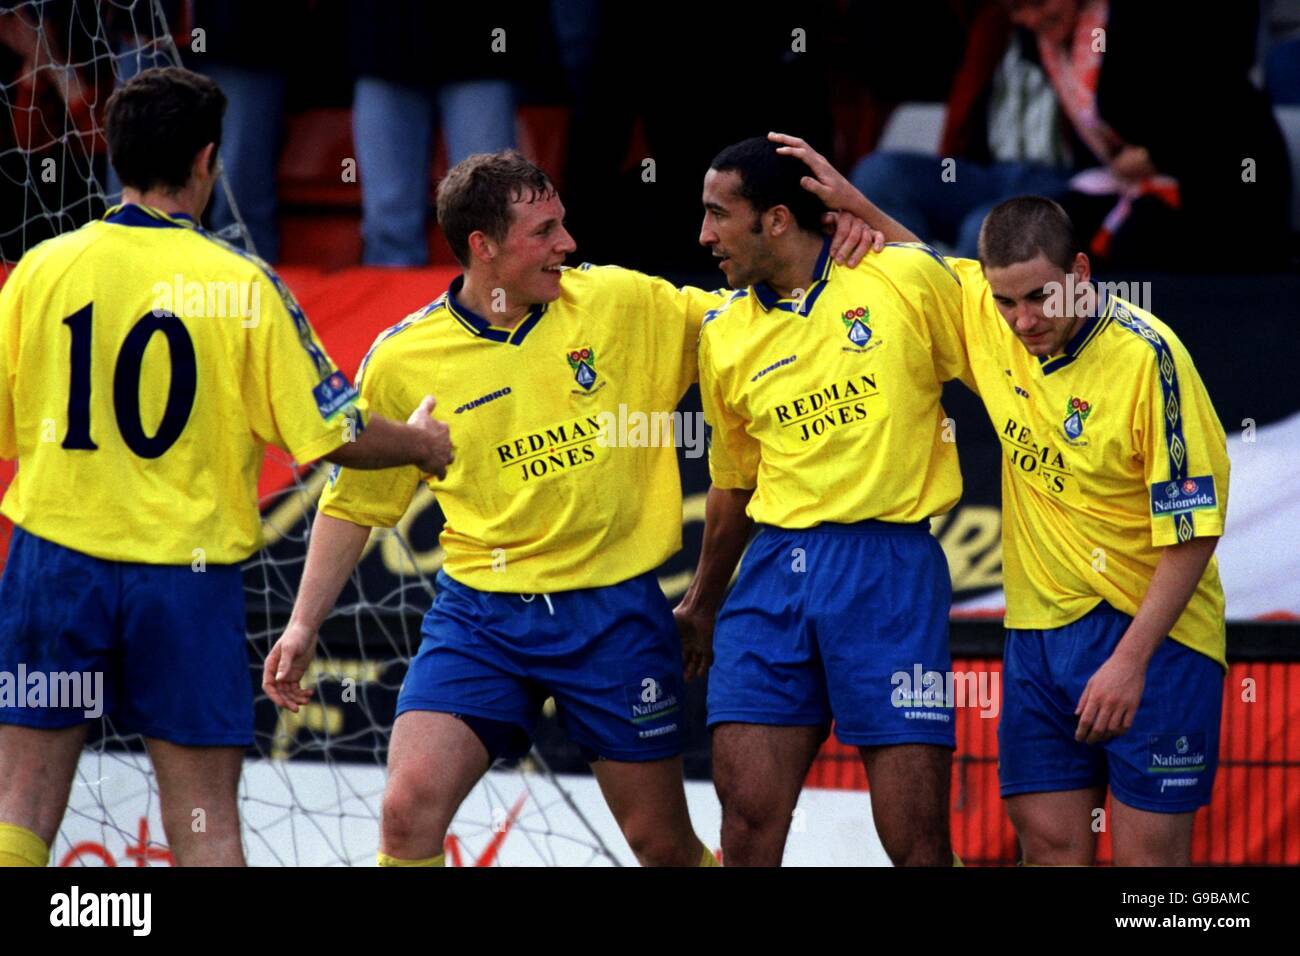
{"type": "Point", "coordinates": [856, 324]}
{"type": "Point", "coordinates": [1076, 413]}
{"type": "Point", "coordinates": [583, 363]}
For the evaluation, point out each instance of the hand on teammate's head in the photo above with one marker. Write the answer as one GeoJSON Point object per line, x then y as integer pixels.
{"type": "Point", "coordinates": [825, 182]}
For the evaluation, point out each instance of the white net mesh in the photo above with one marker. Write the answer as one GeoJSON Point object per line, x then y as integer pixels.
{"type": "Point", "coordinates": [59, 61]}
{"type": "Point", "coordinates": [311, 793]}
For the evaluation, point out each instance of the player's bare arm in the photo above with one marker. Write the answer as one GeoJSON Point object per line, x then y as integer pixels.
{"type": "Point", "coordinates": [335, 547]}
{"type": "Point", "coordinates": [423, 441]}
{"type": "Point", "coordinates": [1111, 697]}
{"type": "Point", "coordinates": [726, 532]}
{"type": "Point", "coordinates": [831, 187]}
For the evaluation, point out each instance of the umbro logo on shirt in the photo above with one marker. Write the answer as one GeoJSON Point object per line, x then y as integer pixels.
{"type": "Point", "coordinates": [774, 366]}
{"type": "Point", "coordinates": [483, 400]}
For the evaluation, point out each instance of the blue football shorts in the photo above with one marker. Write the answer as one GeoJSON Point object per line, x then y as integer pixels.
{"type": "Point", "coordinates": [1164, 763]}
{"type": "Point", "coordinates": [848, 622]}
{"type": "Point", "coordinates": [159, 649]}
{"type": "Point", "coordinates": [609, 656]}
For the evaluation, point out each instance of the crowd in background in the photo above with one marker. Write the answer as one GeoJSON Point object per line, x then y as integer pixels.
{"type": "Point", "coordinates": [1152, 121]}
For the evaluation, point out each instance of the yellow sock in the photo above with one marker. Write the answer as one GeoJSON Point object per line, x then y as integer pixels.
{"type": "Point", "coordinates": [708, 859]}
{"type": "Point", "coordinates": [956, 860]}
{"type": "Point", "coordinates": [19, 846]}
{"type": "Point", "coordinates": [386, 860]}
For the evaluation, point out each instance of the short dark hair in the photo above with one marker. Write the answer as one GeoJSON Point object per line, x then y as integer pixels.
{"type": "Point", "coordinates": [476, 194]}
{"type": "Point", "coordinates": [157, 122]}
{"type": "Point", "coordinates": [1019, 229]}
{"type": "Point", "coordinates": [769, 179]}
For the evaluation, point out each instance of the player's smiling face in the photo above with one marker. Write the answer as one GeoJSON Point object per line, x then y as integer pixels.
{"type": "Point", "coordinates": [1032, 296]}
{"type": "Point", "coordinates": [527, 262]}
{"type": "Point", "coordinates": [729, 231]}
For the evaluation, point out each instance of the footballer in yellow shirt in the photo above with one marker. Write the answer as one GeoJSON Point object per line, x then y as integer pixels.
{"type": "Point", "coordinates": [554, 523]}
{"type": "Point", "coordinates": [1115, 487]}
{"type": "Point", "coordinates": [1114, 494]}
{"type": "Point", "coordinates": [539, 500]}
{"type": "Point", "coordinates": [821, 385]}
{"type": "Point", "coordinates": [139, 410]}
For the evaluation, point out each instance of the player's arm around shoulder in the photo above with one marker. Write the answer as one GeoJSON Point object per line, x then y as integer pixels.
{"type": "Point", "coordinates": [934, 297]}
{"type": "Point", "coordinates": [831, 186]}
{"type": "Point", "coordinates": [665, 318]}
{"type": "Point", "coordinates": [941, 313]}
{"type": "Point", "coordinates": [298, 399]}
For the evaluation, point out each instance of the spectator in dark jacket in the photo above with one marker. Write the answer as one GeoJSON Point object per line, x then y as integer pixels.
{"type": "Point", "coordinates": [1188, 147]}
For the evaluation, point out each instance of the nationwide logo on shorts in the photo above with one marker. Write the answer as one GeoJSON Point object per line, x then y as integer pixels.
{"type": "Point", "coordinates": [1076, 413]}
{"type": "Point", "coordinates": [859, 332]}
{"type": "Point", "coordinates": [583, 363]}
{"type": "Point", "coordinates": [1176, 753]}
{"type": "Point", "coordinates": [652, 701]}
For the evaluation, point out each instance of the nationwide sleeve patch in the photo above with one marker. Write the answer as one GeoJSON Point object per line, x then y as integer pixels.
{"type": "Point", "coordinates": [1184, 494]}
{"type": "Point", "coordinates": [333, 394]}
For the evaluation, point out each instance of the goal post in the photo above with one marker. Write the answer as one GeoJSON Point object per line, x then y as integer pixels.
{"type": "Point", "coordinates": [312, 785]}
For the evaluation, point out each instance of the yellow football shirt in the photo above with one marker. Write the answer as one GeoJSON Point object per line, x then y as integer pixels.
{"type": "Point", "coordinates": [1112, 452]}
{"type": "Point", "coordinates": [828, 405]}
{"type": "Point", "coordinates": [144, 366]}
{"type": "Point", "coordinates": [551, 489]}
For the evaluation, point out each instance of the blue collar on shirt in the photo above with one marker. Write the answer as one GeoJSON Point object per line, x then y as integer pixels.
{"type": "Point", "coordinates": [770, 299]}
{"type": "Point", "coordinates": [1088, 331]}
{"type": "Point", "coordinates": [129, 214]}
{"type": "Point", "coordinates": [480, 326]}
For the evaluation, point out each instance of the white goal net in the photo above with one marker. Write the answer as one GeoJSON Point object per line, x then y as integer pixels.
{"type": "Point", "coordinates": [312, 786]}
